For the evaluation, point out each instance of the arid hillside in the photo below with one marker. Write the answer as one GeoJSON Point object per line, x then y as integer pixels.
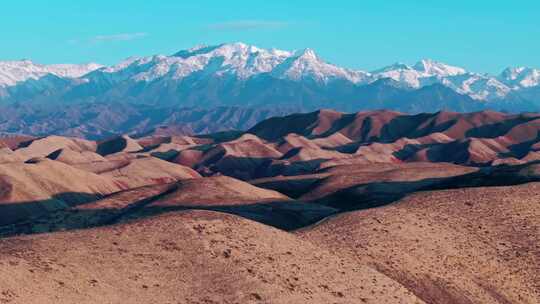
{"type": "Point", "coordinates": [324, 207]}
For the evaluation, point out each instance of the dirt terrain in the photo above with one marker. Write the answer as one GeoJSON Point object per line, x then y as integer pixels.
{"type": "Point", "coordinates": [324, 207]}
{"type": "Point", "coordinates": [475, 245]}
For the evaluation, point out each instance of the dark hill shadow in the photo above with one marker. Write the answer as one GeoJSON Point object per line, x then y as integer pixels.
{"type": "Point", "coordinates": [370, 195]}
{"type": "Point", "coordinates": [285, 215]}
{"type": "Point", "coordinates": [410, 126]}
{"type": "Point", "coordinates": [522, 149]}
{"type": "Point", "coordinates": [498, 129]}
{"type": "Point", "coordinates": [15, 212]}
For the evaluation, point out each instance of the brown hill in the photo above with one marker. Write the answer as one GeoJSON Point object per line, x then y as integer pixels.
{"type": "Point", "coordinates": [303, 124]}
{"type": "Point", "coordinates": [239, 158]}
{"type": "Point", "coordinates": [12, 141]}
{"type": "Point", "coordinates": [141, 262]}
{"type": "Point", "coordinates": [118, 144]}
{"type": "Point", "coordinates": [233, 196]}
{"type": "Point", "coordinates": [380, 188]}
{"type": "Point", "coordinates": [305, 143]}
{"type": "Point", "coordinates": [71, 157]}
{"type": "Point", "coordinates": [218, 190]}
{"type": "Point", "coordinates": [144, 171]}
{"type": "Point", "coordinates": [325, 183]}
{"type": "Point", "coordinates": [8, 156]}
{"type": "Point", "coordinates": [188, 157]}
{"type": "Point", "coordinates": [390, 126]}
{"type": "Point", "coordinates": [371, 207]}
{"type": "Point", "coordinates": [41, 147]}
{"type": "Point", "coordinates": [30, 190]}
{"type": "Point", "coordinates": [479, 138]}
{"type": "Point", "coordinates": [454, 246]}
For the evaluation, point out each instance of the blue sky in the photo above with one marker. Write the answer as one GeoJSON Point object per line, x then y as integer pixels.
{"type": "Point", "coordinates": [483, 36]}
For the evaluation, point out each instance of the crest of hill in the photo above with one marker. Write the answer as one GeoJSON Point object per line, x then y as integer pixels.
{"type": "Point", "coordinates": [406, 241]}
{"type": "Point", "coordinates": [71, 157]}
{"type": "Point", "coordinates": [8, 156]}
{"type": "Point", "coordinates": [118, 144]}
{"type": "Point", "coordinates": [389, 126]}
{"type": "Point", "coordinates": [12, 141]}
{"type": "Point", "coordinates": [203, 246]}
{"type": "Point", "coordinates": [31, 189]}
{"type": "Point", "coordinates": [41, 147]}
{"type": "Point", "coordinates": [246, 146]}
{"type": "Point", "coordinates": [143, 171]}
{"type": "Point", "coordinates": [478, 138]}
{"type": "Point", "coordinates": [218, 190]}
{"type": "Point", "coordinates": [302, 124]}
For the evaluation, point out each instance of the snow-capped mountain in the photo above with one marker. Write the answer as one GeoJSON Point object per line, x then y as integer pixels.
{"type": "Point", "coordinates": [424, 72]}
{"type": "Point", "coordinates": [241, 74]}
{"type": "Point", "coordinates": [308, 65]}
{"type": "Point", "coordinates": [431, 67]}
{"type": "Point", "coordinates": [520, 77]}
{"type": "Point", "coordinates": [428, 72]}
{"type": "Point", "coordinates": [477, 86]}
{"type": "Point", "coordinates": [236, 59]}
{"type": "Point", "coordinates": [13, 72]}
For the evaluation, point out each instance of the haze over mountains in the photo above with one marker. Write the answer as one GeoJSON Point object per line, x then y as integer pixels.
{"type": "Point", "coordinates": [243, 75]}
{"type": "Point", "coordinates": [102, 120]}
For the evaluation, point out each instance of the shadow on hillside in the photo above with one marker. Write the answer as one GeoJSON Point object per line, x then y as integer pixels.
{"type": "Point", "coordinates": [413, 126]}
{"type": "Point", "coordinates": [500, 128]}
{"type": "Point", "coordinates": [248, 168]}
{"type": "Point", "coordinates": [14, 212]}
{"type": "Point", "coordinates": [370, 195]}
{"type": "Point", "coordinates": [521, 150]}
{"type": "Point", "coordinates": [285, 215]}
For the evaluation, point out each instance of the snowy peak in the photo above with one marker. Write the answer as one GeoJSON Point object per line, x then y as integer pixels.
{"type": "Point", "coordinates": [512, 73]}
{"type": "Point", "coordinates": [229, 51]}
{"type": "Point", "coordinates": [520, 77]}
{"type": "Point", "coordinates": [237, 62]}
{"type": "Point", "coordinates": [197, 50]}
{"type": "Point", "coordinates": [401, 73]}
{"type": "Point", "coordinates": [13, 72]}
{"type": "Point", "coordinates": [306, 64]}
{"type": "Point", "coordinates": [424, 72]}
{"type": "Point", "coordinates": [435, 68]}
{"type": "Point", "coordinates": [72, 70]}
{"type": "Point", "coordinates": [307, 54]}
{"type": "Point", "coordinates": [423, 68]}
{"type": "Point", "coordinates": [235, 59]}
{"type": "Point", "coordinates": [398, 66]}
{"type": "Point", "coordinates": [238, 59]}
{"type": "Point", "coordinates": [245, 61]}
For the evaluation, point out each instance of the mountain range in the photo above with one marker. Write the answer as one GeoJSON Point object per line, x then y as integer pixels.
{"type": "Point", "coordinates": [238, 74]}
{"type": "Point", "coordinates": [103, 120]}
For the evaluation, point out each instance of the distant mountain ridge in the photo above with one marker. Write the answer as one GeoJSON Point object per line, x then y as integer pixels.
{"type": "Point", "coordinates": [238, 74]}
{"type": "Point", "coordinates": [103, 120]}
